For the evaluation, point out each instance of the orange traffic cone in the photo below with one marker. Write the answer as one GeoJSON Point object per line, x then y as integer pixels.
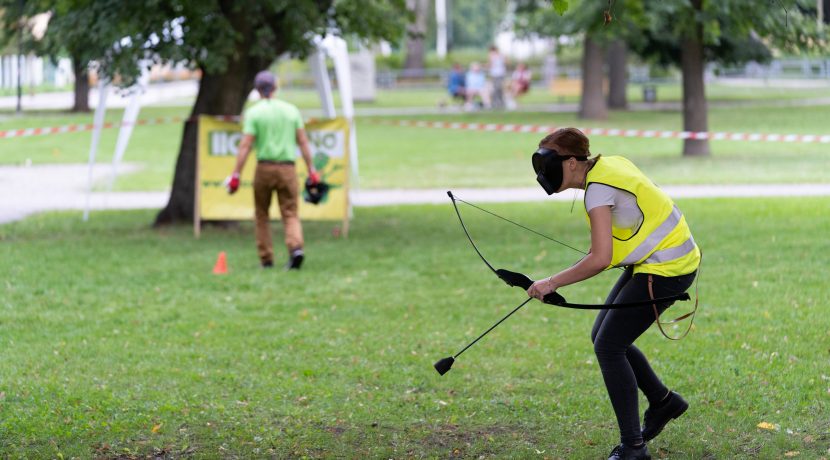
{"type": "Point", "coordinates": [221, 267]}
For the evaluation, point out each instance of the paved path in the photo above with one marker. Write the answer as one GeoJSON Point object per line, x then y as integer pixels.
{"type": "Point", "coordinates": [29, 190]}
{"type": "Point", "coordinates": [33, 189]}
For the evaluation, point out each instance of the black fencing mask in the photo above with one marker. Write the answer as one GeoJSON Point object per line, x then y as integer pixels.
{"type": "Point", "coordinates": [547, 164]}
{"type": "Point", "coordinates": [315, 193]}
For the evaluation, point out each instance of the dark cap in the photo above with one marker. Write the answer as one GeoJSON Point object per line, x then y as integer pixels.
{"type": "Point", "coordinates": [265, 82]}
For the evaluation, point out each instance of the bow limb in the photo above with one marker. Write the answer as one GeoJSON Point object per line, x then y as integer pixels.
{"type": "Point", "coordinates": [509, 277]}
{"type": "Point", "coordinates": [614, 306]}
{"type": "Point", "coordinates": [466, 232]}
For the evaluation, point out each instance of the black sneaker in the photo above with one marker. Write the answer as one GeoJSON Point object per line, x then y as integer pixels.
{"type": "Point", "coordinates": [656, 418]}
{"type": "Point", "coordinates": [625, 452]}
{"type": "Point", "coordinates": [267, 264]}
{"type": "Point", "coordinates": [296, 260]}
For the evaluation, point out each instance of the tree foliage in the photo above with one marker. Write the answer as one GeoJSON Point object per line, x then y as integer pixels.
{"type": "Point", "coordinates": [734, 31]}
{"type": "Point", "coordinates": [474, 23]}
{"type": "Point", "coordinates": [14, 26]}
{"type": "Point", "coordinates": [207, 34]}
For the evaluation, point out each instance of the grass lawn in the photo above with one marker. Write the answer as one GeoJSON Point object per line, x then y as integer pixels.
{"type": "Point", "coordinates": [450, 158]}
{"type": "Point", "coordinates": [492, 159]}
{"type": "Point", "coordinates": [119, 342]}
{"type": "Point", "coordinates": [407, 157]}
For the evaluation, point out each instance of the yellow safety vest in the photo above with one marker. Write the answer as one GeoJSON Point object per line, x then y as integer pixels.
{"type": "Point", "coordinates": [662, 244]}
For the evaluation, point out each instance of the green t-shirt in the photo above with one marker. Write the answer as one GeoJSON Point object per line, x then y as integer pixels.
{"type": "Point", "coordinates": [274, 125]}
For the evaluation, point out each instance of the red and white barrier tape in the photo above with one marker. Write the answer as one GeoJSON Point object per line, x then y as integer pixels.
{"type": "Point", "coordinates": [717, 136]}
{"type": "Point", "coordinates": [29, 132]}
{"type": "Point", "coordinates": [496, 127]}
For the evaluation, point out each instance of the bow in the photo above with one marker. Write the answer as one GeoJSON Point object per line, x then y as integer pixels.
{"type": "Point", "coordinates": [554, 298]}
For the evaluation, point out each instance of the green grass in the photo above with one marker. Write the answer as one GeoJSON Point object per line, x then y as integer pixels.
{"type": "Point", "coordinates": [118, 340]}
{"type": "Point", "coordinates": [390, 155]}
{"type": "Point", "coordinates": [455, 158]}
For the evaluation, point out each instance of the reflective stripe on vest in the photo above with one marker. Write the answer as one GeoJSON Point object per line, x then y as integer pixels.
{"type": "Point", "coordinates": [654, 238]}
{"type": "Point", "coordinates": [665, 255]}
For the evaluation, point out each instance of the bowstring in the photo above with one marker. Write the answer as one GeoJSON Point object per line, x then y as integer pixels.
{"type": "Point", "coordinates": [524, 227]}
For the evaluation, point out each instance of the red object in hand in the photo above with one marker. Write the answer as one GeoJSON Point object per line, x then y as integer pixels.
{"type": "Point", "coordinates": [232, 183]}
{"type": "Point", "coordinates": [315, 177]}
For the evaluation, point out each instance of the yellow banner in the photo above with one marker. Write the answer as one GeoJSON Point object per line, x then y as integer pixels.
{"type": "Point", "coordinates": [217, 148]}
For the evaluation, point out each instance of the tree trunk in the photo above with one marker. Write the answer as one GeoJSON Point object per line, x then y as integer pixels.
{"type": "Point", "coordinates": [592, 104]}
{"type": "Point", "coordinates": [415, 33]}
{"type": "Point", "coordinates": [81, 87]}
{"type": "Point", "coordinates": [617, 75]}
{"type": "Point", "coordinates": [219, 94]}
{"type": "Point", "coordinates": [694, 90]}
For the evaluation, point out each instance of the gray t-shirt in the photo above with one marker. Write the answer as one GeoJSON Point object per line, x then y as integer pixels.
{"type": "Point", "coordinates": [624, 210]}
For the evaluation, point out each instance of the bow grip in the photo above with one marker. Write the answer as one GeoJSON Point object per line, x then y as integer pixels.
{"type": "Point", "coordinates": [522, 281]}
{"type": "Point", "coordinates": [514, 279]}
{"type": "Point", "coordinates": [554, 298]}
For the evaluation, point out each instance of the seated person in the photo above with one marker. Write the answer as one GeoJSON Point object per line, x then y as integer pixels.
{"type": "Point", "coordinates": [519, 84]}
{"type": "Point", "coordinates": [520, 80]}
{"type": "Point", "coordinates": [476, 84]}
{"type": "Point", "coordinates": [456, 84]}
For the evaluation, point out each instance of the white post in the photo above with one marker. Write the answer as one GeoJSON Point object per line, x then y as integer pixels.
{"type": "Point", "coordinates": [97, 126]}
{"type": "Point", "coordinates": [441, 28]}
{"type": "Point", "coordinates": [317, 61]}
{"type": "Point", "coordinates": [340, 55]}
{"type": "Point", "coordinates": [128, 123]}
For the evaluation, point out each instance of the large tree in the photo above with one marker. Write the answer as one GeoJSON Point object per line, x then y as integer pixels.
{"type": "Point", "coordinates": [83, 30]}
{"type": "Point", "coordinates": [618, 74]}
{"type": "Point", "coordinates": [601, 43]}
{"type": "Point", "coordinates": [229, 42]}
{"type": "Point", "coordinates": [689, 34]}
{"type": "Point", "coordinates": [416, 35]}
{"type": "Point", "coordinates": [592, 102]}
{"type": "Point", "coordinates": [692, 33]}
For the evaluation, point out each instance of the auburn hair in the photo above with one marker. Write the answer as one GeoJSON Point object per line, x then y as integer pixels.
{"type": "Point", "coordinates": [568, 141]}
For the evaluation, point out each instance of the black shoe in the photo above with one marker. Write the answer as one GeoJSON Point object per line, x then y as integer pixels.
{"type": "Point", "coordinates": [267, 264]}
{"type": "Point", "coordinates": [656, 418]}
{"type": "Point", "coordinates": [625, 452]}
{"type": "Point", "coordinates": [296, 260]}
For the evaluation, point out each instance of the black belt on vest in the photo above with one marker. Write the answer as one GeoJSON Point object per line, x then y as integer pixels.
{"type": "Point", "coordinates": [273, 162]}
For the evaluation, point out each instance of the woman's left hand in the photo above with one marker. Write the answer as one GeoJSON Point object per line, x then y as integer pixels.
{"type": "Point", "coordinates": [539, 289]}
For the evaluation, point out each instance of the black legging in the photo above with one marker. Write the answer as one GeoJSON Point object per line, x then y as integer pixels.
{"type": "Point", "coordinates": [624, 367]}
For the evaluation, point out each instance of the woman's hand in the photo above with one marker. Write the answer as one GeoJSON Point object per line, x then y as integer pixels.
{"type": "Point", "coordinates": [539, 289]}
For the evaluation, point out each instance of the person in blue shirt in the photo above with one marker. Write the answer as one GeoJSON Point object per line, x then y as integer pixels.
{"type": "Point", "coordinates": [456, 85]}
{"type": "Point", "coordinates": [476, 85]}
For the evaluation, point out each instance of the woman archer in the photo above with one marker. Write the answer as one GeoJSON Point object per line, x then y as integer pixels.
{"type": "Point", "coordinates": [634, 225]}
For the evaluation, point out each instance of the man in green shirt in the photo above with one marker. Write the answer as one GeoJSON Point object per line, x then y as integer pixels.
{"type": "Point", "coordinates": [276, 129]}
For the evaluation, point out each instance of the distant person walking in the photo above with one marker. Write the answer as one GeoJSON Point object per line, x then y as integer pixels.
{"type": "Point", "coordinates": [276, 128]}
{"type": "Point", "coordinates": [497, 67]}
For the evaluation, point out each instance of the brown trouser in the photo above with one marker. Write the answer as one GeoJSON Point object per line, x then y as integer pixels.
{"type": "Point", "coordinates": [282, 178]}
